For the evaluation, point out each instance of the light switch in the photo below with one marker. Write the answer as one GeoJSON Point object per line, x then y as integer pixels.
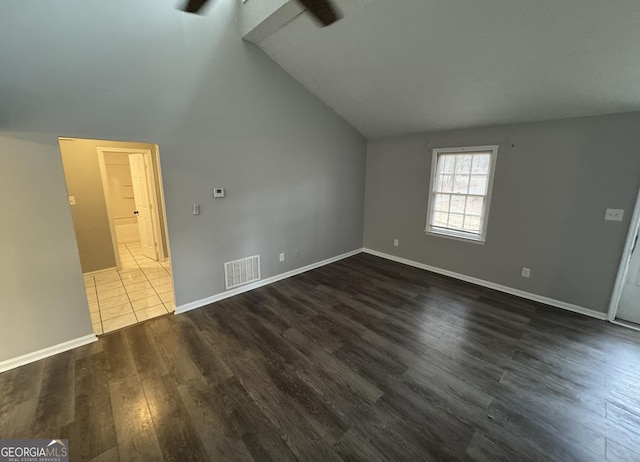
{"type": "Point", "coordinates": [72, 200]}
{"type": "Point", "coordinates": [613, 215]}
{"type": "Point", "coordinates": [196, 209]}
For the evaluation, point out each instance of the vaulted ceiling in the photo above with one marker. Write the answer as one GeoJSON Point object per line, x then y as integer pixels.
{"type": "Point", "coordinates": [389, 67]}
{"type": "Point", "coordinates": [392, 67]}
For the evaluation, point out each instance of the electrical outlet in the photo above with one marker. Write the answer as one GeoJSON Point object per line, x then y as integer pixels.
{"type": "Point", "coordinates": [613, 214]}
{"type": "Point", "coordinates": [526, 272]}
{"type": "Point", "coordinates": [396, 242]}
{"type": "Point", "coordinates": [282, 257]}
{"type": "Point", "coordinates": [72, 200]}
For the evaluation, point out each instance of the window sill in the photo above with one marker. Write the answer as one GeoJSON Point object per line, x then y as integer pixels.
{"type": "Point", "coordinates": [455, 236]}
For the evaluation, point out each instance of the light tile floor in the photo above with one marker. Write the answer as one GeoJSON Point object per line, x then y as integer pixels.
{"type": "Point", "coordinates": [141, 290]}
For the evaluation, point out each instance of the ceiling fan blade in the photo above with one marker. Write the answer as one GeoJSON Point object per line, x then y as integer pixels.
{"type": "Point", "coordinates": [194, 6]}
{"type": "Point", "coordinates": [324, 10]}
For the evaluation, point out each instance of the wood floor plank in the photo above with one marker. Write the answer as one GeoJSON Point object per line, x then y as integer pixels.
{"type": "Point", "coordinates": [56, 400]}
{"type": "Point", "coordinates": [261, 308]}
{"type": "Point", "coordinates": [624, 418]}
{"type": "Point", "coordinates": [480, 374]}
{"type": "Point", "coordinates": [17, 421]}
{"type": "Point", "coordinates": [554, 445]}
{"type": "Point", "coordinates": [134, 426]}
{"type": "Point", "coordinates": [391, 438]}
{"type": "Point", "coordinates": [208, 361]}
{"type": "Point", "coordinates": [174, 428]}
{"type": "Point", "coordinates": [109, 455]}
{"type": "Point", "coordinates": [443, 436]}
{"type": "Point", "coordinates": [401, 335]}
{"type": "Point", "coordinates": [482, 449]}
{"type": "Point", "coordinates": [617, 452]}
{"type": "Point", "coordinates": [360, 360]}
{"type": "Point", "coordinates": [352, 447]}
{"type": "Point", "coordinates": [369, 363]}
{"type": "Point", "coordinates": [446, 383]}
{"type": "Point", "coordinates": [581, 428]}
{"type": "Point", "coordinates": [258, 435]}
{"type": "Point", "coordinates": [252, 368]}
{"type": "Point", "coordinates": [212, 412]}
{"type": "Point", "coordinates": [303, 439]}
{"type": "Point", "coordinates": [20, 384]}
{"type": "Point", "coordinates": [278, 357]}
{"type": "Point", "coordinates": [92, 430]}
{"type": "Point", "coordinates": [19, 390]}
{"type": "Point", "coordinates": [117, 354]}
{"type": "Point", "coordinates": [334, 366]}
{"type": "Point", "coordinates": [172, 345]}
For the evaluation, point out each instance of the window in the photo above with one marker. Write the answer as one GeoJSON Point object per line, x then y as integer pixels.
{"type": "Point", "coordinates": [461, 181]}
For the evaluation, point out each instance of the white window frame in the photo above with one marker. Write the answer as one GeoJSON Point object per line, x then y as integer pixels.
{"type": "Point", "coordinates": [461, 235]}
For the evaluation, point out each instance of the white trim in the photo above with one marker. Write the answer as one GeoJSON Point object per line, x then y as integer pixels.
{"type": "Point", "coordinates": [107, 201]}
{"type": "Point", "coordinates": [627, 324]}
{"type": "Point", "coordinates": [239, 290]}
{"type": "Point", "coordinates": [624, 262]}
{"type": "Point", "coordinates": [162, 207]}
{"type": "Point", "coordinates": [492, 285]}
{"type": "Point", "coordinates": [46, 352]}
{"type": "Point", "coordinates": [95, 273]}
{"type": "Point", "coordinates": [152, 174]}
{"type": "Point", "coordinates": [434, 231]}
{"type": "Point", "coordinates": [153, 199]}
{"type": "Point", "coordinates": [453, 235]}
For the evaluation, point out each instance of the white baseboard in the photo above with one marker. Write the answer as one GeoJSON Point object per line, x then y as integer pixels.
{"type": "Point", "coordinates": [492, 285]}
{"type": "Point", "coordinates": [239, 290]}
{"type": "Point", "coordinates": [46, 352]}
{"type": "Point", "coordinates": [627, 324]}
{"type": "Point", "coordinates": [94, 273]}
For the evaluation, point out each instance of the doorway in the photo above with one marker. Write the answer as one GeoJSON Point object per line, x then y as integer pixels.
{"type": "Point", "coordinates": [117, 205]}
{"type": "Point", "coordinates": [625, 301]}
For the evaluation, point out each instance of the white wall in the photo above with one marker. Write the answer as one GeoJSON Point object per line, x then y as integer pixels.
{"type": "Point", "coordinates": [254, 12]}
{"type": "Point", "coordinates": [222, 113]}
{"type": "Point", "coordinates": [121, 197]}
{"type": "Point", "coordinates": [258, 20]}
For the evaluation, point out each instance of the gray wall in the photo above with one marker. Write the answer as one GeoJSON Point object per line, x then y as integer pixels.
{"type": "Point", "coordinates": [550, 193]}
{"type": "Point", "coordinates": [42, 299]}
{"type": "Point", "coordinates": [222, 113]}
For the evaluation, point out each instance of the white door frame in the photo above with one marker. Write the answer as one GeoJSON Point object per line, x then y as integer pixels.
{"type": "Point", "coordinates": [105, 191]}
{"type": "Point", "coordinates": [157, 208]}
{"type": "Point", "coordinates": [161, 207]}
{"type": "Point", "coordinates": [624, 262]}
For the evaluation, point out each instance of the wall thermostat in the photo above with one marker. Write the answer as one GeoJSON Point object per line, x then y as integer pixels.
{"type": "Point", "coordinates": [218, 192]}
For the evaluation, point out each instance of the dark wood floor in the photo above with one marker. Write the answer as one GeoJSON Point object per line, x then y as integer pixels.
{"type": "Point", "coordinates": [363, 359]}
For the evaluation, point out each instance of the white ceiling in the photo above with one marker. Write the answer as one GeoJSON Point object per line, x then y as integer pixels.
{"type": "Point", "coordinates": [393, 67]}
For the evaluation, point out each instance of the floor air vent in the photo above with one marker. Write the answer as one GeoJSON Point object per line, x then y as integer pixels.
{"type": "Point", "coordinates": [241, 272]}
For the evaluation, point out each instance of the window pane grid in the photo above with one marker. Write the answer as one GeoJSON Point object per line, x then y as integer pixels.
{"type": "Point", "coordinates": [459, 192]}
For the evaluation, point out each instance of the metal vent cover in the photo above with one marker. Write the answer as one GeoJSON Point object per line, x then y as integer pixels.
{"type": "Point", "coordinates": [240, 272]}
